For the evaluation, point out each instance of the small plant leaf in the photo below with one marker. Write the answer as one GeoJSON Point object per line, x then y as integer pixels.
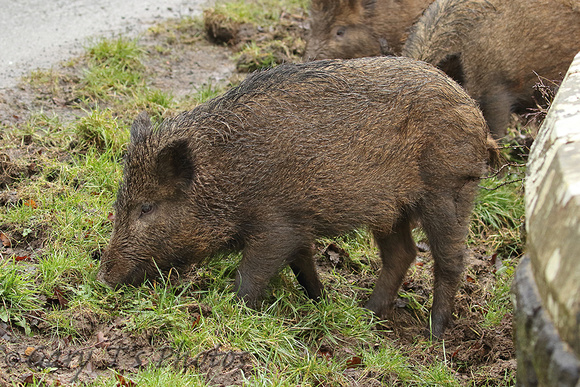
{"type": "Point", "coordinates": [122, 382]}
{"type": "Point", "coordinates": [63, 302]}
{"type": "Point", "coordinates": [325, 352]}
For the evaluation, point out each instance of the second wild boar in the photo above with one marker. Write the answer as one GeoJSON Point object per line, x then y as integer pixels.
{"type": "Point", "coordinates": [357, 28]}
{"type": "Point", "coordinates": [498, 49]}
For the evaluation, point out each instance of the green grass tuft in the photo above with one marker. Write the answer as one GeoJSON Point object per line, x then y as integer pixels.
{"type": "Point", "coordinates": [18, 293]}
{"type": "Point", "coordinates": [262, 13]}
{"type": "Point", "coordinates": [100, 130]}
{"type": "Point", "coordinates": [498, 215]}
{"type": "Point", "coordinates": [115, 67]}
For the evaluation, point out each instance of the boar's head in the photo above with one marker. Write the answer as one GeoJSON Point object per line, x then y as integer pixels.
{"type": "Point", "coordinates": [341, 29]}
{"type": "Point", "coordinates": [157, 223]}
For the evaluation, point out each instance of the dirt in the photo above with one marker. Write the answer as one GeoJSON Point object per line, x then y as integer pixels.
{"type": "Point", "coordinates": [477, 354]}
{"type": "Point", "coordinates": [181, 63]}
{"type": "Point", "coordinates": [109, 348]}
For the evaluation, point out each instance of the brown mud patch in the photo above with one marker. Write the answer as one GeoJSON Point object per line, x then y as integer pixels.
{"type": "Point", "coordinates": [110, 349]}
{"type": "Point", "coordinates": [480, 355]}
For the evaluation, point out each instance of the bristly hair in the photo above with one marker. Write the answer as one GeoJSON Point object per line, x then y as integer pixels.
{"type": "Point", "coordinates": [440, 31]}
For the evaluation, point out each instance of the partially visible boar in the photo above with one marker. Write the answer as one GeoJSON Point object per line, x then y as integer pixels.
{"type": "Point", "coordinates": [300, 152]}
{"type": "Point", "coordinates": [358, 28]}
{"type": "Point", "coordinates": [498, 48]}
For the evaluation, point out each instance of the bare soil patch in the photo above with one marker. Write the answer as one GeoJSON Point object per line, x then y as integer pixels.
{"type": "Point", "coordinates": [479, 355]}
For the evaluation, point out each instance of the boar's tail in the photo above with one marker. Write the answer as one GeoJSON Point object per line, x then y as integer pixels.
{"type": "Point", "coordinates": [438, 35]}
{"type": "Point", "coordinates": [495, 158]}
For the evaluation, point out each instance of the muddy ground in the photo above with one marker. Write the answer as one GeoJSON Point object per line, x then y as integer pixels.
{"type": "Point", "coordinates": [478, 355]}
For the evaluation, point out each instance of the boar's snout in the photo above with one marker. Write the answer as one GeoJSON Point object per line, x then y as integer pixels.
{"type": "Point", "coordinates": [116, 271]}
{"type": "Point", "coordinates": [313, 51]}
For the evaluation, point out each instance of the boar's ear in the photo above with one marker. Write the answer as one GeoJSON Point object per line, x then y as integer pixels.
{"type": "Point", "coordinates": [369, 5]}
{"type": "Point", "coordinates": [175, 164]}
{"type": "Point", "coordinates": [323, 5]}
{"type": "Point", "coordinates": [141, 127]}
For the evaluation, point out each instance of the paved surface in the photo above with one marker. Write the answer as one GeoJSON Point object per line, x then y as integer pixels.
{"type": "Point", "coordinates": [40, 33]}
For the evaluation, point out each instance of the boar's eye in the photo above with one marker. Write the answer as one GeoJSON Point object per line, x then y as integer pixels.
{"type": "Point", "coordinates": [146, 208]}
{"type": "Point", "coordinates": [341, 31]}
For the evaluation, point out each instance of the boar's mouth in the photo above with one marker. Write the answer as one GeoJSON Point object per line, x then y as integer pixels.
{"type": "Point", "coordinates": [115, 272]}
{"type": "Point", "coordinates": [111, 271]}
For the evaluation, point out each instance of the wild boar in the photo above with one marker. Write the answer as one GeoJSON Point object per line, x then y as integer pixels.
{"type": "Point", "coordinates": [357, 28]}
{"type": "Point", "coordinates": [299, 152]}
{"type": "Point", "coordinates": [498, 48]}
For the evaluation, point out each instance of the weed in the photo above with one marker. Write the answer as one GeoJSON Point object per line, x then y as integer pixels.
{"type": "Point", "coordinates": [499, 216]}
{"type": "Point", "coordinates": [159, 306]}
{"type": "Point", "coordinates": [121, 53]}
{"type": "Point", "coordinates": [499, 303]}
{"type": "Point", "coordinates": [203, 93]}
{"type": "Point", "coordinates": [154, 101]}
{"type": "Point", "coordinates": [185, 30]}
{"type": "Point", "coordinates": [246, 24]}
{"type": "Point", "coordinates": [48, 80]}
{"type": "Point", "coordinates": [254, 57]}
{"type": "Point", "coordinates": [152, 376]}
{"type": "Point", "coordinates": [45, 129]}
{"type": "Point", "coordinates": [259, 13]}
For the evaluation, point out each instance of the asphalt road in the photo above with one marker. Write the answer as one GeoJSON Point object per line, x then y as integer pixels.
{"type": "Point", "coordinates": [40, 33]}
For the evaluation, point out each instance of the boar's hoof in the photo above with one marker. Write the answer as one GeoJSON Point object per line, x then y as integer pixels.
{"type": "Point", "coordinates": [436, 327]}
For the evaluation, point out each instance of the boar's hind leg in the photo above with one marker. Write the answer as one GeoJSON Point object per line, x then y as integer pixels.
{"type": "Point", "coordinates": [397, 251]}
{"type": "Point", "coordinates": [266, 253]}
{"type": "Point", "coordinates": [445, 221]}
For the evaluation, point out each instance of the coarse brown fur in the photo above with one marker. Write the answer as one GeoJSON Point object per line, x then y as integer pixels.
{"type": "Point", "coordinates": [500, 47]}
{"type": "Point", "coordinates": [358, 28]}
{"type": "Point", "coordinates": [300, 152]}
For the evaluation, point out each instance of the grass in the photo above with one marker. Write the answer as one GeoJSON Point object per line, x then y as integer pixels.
{"type": "Point", "coordinates": [498, 215]}
{"type": "Point", "coordinates": [115, 67]}
{"type": "Point", "coordinates": [499, 304]}
{"type": "Point", "coordinates": [227, 22]}
{"type": "Point", "coordinates": [18, 295]}
{"type": "Point", "coordinates": [291, 340]}
{"type": "Point", "coordinates": [100, 130]}
{"type": "Point", "coordinates": [261, 13]}
{"type": "Point", "coordinates": [204, 93]}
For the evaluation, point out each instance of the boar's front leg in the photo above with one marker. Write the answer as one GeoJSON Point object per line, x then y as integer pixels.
{"type": "Point", "coordinates": [305, 271]}
{"type": "Point", "coordinates": [266, 252]}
